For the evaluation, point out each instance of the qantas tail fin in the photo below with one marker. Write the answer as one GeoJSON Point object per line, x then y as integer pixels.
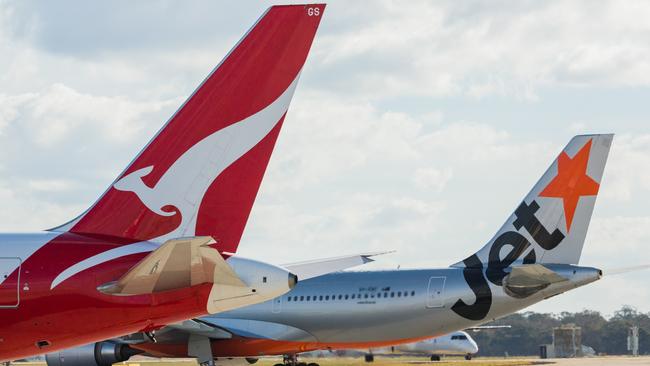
{"type": "Point", "coordinates": [200, 174]}
{"type": "Point", "coordinates": [550, 224]}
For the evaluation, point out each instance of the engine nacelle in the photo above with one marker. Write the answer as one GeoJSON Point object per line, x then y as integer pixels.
{"type": "Point", "coordinates": [94, 354]}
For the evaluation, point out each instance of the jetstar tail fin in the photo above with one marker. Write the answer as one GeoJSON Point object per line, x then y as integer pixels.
{"type": "Point", "coordinates": [550, 224]}
{"type": "Point", "coordinates": [200, 174]}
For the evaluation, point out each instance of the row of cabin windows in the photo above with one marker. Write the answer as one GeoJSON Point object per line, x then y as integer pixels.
{"type": "Point", "coordinates": [459, 337]}
{"type": "Point", "coordinates": [353, 296]}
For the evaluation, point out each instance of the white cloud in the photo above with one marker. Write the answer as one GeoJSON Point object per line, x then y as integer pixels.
{"type": "Point", "coordinates": [430, 178]}
{"type": "Point", "coordinates": [610, 237]}
{"type": "Point", "coordinates": [23, 211]}
{"type": "Point", "coordinates": [58, 112]}
{"type": "Point", "coordinates": [628, 176]}
{"type": "Point", "coordinates": [51, 185]}
{"type": "Point", "coordinates": [452, 48]}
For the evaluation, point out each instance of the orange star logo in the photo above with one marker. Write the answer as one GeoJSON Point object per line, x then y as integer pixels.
{"type": "Point", "coordinates": [572, 182]}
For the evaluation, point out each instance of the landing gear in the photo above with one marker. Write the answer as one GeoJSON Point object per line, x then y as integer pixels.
{"type": "Point", "coordinates": [292, 360]}
{"type": "Point", "coordinates": [369, 357]}
{"type": "Point", "coordinates": [435, 358]}
{"type": "Point", "coordinates": [200, 347]}
{"type": "Point", "coordinates": [468, 357]}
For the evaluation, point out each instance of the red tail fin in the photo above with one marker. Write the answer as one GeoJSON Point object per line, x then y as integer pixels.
{"type": "Point", "coordinates": [201, 173]}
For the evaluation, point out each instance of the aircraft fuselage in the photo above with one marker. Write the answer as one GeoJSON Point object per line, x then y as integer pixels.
{"type": "Point", "coordinates": [366, 309]}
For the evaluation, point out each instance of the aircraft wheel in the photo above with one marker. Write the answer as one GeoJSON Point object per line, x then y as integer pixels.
{"type": "Point", "coordinates": [279, 364]}
{"type": "Point", "coordinates": [369, 358]}
{"type": "Point", "coordinates": [301, 364]}
{"type": "Point", "coordinates": [435, 358]}
{"type": "Point", "coordinates": [468, 357]}
{"type": "Point", "coordinates": [312, 364]}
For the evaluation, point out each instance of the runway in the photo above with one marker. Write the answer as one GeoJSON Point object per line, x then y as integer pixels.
{"type": "Point", "coordinates": [597, 361]}
{"type": "Point", "coordinates": [479, 361]}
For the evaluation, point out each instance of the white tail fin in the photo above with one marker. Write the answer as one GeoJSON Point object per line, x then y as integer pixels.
{"type": "Point", "coordinates": [550, 224]}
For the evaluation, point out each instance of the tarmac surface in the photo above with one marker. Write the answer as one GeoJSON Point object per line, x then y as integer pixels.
{"type": "Point", "coordinates": [596, 361]}
{"type": "Point", "coordinates": [479, 361]}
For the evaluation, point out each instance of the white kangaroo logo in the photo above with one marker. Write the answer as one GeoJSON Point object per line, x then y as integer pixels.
{"type": "Point", "coordinates": [186, 181]}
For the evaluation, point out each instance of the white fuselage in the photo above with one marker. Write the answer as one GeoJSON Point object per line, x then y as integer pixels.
{"type": "Point", "coordinates": [380, 306]}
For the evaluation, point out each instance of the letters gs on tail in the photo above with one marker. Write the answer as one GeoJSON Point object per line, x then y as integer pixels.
{"type": "Point", "coordinates": [473, 271]}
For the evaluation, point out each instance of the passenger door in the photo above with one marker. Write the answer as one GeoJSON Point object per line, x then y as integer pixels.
{"type": "Point", "coordinates": [277, 305]}
{"type": "Point", "coordinates": [9, 282]}
{"type": "Point", "coordinates": [435, 292]}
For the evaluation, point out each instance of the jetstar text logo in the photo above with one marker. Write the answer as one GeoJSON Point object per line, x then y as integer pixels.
{"type": "Point", "coordinates": [570, 183]}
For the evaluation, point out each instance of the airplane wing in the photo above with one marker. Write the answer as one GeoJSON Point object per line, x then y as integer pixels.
{"type": "Point", "coordinates": [198, 327]}
{"type": "Point", "coordinates": [488, 327]}
{"type": "Point", "coordinates": [178, 263]}
{"type": "Point", "coordinates": [319, 267]}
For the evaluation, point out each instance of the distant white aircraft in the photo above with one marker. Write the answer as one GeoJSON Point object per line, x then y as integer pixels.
{"type": "Point", "coordinates": [456, 343]}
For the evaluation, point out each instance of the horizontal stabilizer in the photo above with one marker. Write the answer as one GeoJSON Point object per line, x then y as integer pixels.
{"type": "Point", "coordinates": [319, 267]}
{"type": "Point", "coordinates": [528, 279]}
{"type": "Point", "coordinates": [178, 263]}
{"type": "Point", "coordinates": [532, 275]}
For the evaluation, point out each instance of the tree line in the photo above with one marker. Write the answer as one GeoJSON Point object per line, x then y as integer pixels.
{"type": "Point", "coordinates": [529, 330]}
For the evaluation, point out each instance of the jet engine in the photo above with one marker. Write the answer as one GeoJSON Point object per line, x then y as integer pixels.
{"type": "Point", "coordinates": [237, 361]}
{"type": "Point", "coordinates": [94, 354]}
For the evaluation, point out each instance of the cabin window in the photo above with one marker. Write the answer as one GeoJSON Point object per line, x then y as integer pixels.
{"type": "Point", "coordinates": [392, 294]}
{"type": "Point", "coordinates": [320, 297]}
{"type": "Point", "coordinates": [399, 293]}
{"type": "Point", "coordinates": [289, 298]}
{"type": "Point", "coordinates": [346, 297]}
{"type": "Point", "coordinates": [412, 293]}
{"type": "Point", "coordinates": [385, 294]}
{"type": "Point", "coordinates": [302, 298]}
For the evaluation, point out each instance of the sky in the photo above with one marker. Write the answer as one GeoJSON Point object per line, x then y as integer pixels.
{"type": "Point", "coordinates": [417, 126]}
